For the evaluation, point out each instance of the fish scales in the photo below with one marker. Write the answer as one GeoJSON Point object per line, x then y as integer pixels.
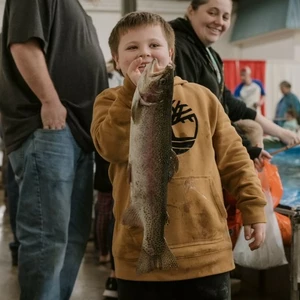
{"type": "Point", "coordinates": [151, 165]}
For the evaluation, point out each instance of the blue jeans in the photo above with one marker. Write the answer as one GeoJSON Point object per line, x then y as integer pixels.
{"type": "Point", "coordinates": [13, 199]}
{"type": "Point", "coordinates": [55, 180]}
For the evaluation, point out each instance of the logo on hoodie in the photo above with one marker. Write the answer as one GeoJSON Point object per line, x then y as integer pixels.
{"type": "Point", "coordinates": [183, 140]}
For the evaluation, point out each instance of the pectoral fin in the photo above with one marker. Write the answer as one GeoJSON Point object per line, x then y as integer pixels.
{"type": "Point", "coordinates": [131, 217]}
{"type": "Point", "coordinates": [174, 164]}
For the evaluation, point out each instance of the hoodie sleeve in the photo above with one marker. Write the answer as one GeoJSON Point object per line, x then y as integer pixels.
{"type": "Point", "coordinates": [237, 171]}
{"type": "Point", "coordinates": [111, 122]}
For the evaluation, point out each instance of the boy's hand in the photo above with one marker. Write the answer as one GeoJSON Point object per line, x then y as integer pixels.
{"type": "Point", "coordinates": [257, 232]}
{"type": "Point", "coordinates": [133, 71]}
{"type": "Point", "coordinates": [259, 162]}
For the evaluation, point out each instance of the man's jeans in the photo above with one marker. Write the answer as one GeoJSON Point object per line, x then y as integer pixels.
{"type": "Point", "coordinates": [13, 199]}
{"type": "Point", "coordinates": [55, 178]}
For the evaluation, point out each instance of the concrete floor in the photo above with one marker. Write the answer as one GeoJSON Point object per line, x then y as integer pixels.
{"type": "Point", "coordinates": [91, 279]}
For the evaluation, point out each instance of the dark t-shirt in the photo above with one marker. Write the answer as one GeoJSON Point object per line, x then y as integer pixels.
{"type": "Point", "coordinates": [74, 59]}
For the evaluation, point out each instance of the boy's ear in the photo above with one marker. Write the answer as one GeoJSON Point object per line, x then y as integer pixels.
{"type": "Point", "coordinates": [171, 54]}
{"type": "Point", "coordinates": [115, 58]}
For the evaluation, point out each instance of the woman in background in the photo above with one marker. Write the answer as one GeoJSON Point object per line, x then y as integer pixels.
{"type": "Point", "coordinates": [204, 23]}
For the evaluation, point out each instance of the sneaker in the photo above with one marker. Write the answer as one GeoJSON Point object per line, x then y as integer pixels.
{"type": "Point", "coordinates": [111, 290]}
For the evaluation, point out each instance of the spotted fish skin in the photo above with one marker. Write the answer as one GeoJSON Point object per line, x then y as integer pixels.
{"type": "Point", "coordinates": [152, 164]}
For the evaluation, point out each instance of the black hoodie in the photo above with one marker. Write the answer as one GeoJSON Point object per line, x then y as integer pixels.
{"type": "Point", "coordinates": [193, 64]}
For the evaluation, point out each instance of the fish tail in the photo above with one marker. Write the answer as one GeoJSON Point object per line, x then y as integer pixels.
{"type": "Point", "coordinates": [148, 263]}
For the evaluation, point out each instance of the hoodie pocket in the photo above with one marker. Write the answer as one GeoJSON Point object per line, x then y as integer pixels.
{"type": "Point", "coordinates": [196, 212]}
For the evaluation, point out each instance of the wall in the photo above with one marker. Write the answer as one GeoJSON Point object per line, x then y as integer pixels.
{"type": "Point", "coordinates": [106, 14]}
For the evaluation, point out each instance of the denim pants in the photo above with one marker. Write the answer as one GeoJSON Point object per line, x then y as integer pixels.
{"type": "Point", "coordinates": [55, 180]}
{"type": "Point", "coordinates": [13, 199]}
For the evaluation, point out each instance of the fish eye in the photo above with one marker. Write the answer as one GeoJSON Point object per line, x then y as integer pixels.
{"type": "Point", "coordinates": [163, 81]}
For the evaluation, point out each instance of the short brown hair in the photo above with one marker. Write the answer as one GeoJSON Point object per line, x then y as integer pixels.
{"type": "Point", "coordinates": [139, 19]}
{"type": "Point", "coordinates": [285, 84]}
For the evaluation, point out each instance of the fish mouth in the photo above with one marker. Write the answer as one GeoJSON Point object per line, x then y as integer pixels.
{"type": "Point", "coordinates": [150, 68]}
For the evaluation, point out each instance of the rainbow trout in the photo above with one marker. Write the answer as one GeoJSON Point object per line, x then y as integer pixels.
{"type": "Point", "coordinates": [152, 164]}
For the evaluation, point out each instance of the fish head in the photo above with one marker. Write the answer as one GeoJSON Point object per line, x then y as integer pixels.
{"type": "Point", "coordinates": [154, 81]}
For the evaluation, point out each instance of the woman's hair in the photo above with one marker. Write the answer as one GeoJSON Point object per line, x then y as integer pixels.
{"type": "Point", "coordinates": [196, 3]}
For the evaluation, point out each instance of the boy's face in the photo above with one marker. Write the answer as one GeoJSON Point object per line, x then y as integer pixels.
{"type": "Point", "coordinates": [147, 42]}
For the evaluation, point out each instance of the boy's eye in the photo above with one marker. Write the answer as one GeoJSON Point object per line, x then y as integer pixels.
{"type": "Point", "coordinates": [131, 47]}
{"type": "Point", "coordinates": [154, 45]}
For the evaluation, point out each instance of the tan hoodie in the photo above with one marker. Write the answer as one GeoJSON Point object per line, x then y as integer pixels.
{"type": "Point", "coordinates": [211, 156]}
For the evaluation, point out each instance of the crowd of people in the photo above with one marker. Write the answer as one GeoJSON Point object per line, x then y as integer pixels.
{"type": "Point", "coordinates": [65, 110]}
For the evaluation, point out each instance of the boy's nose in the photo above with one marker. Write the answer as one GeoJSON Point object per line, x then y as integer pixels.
{"type": "Point", "coordinates": [145, 52]}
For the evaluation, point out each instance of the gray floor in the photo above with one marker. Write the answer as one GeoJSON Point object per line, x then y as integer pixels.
{"type": "Point", "coordinates": [91, 278]}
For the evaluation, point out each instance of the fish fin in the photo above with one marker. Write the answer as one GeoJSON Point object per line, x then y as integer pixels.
{"type": "Point", "coordinates": [174, 164]}
{"type": "Point", "coordinates": [129, 177]}
{"type": "Point", "coordinates": [148, 263]}
{"type": "Point", "coordinates": [131, 217]}
{"type": "Point", "coordinates": [135, 105]}
{"type": "Point", "coordinates": [167, 221]}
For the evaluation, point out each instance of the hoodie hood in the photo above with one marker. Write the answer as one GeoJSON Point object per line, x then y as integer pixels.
{"type": "Point", "coordinates": [183, 28]}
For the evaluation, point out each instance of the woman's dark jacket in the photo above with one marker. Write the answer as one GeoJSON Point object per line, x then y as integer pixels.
{"type": "Point", "coordinates": [192, 63]}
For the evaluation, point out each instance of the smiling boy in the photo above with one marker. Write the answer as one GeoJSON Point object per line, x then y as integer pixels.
{"type": "Point", "coordinates": [211, 156]}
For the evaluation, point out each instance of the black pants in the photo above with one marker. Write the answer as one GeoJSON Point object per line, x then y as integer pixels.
{"type": "Point", "coordinates": [216, 287]}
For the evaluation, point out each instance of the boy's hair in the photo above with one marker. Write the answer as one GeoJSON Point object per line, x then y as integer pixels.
{"type": "Point", "coordinates": [250, 130]}
{"type": "Point", "coordinates": [139, 19]}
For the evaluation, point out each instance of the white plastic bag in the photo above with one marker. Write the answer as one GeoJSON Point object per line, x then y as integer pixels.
{"type": "Point", "coordinates": [271, 253]}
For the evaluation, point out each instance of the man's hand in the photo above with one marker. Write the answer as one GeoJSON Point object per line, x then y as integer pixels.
{"type": "Point", "coordinates": [53, 115]}
{"type": "Point", "coordinates": [257, 232]}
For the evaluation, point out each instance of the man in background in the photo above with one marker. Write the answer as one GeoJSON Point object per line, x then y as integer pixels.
{"type": "Point", "coordinates": [51, 70]}
{"type": "Point", "coordinates": [289, 101]}
{"type": "Point", "coordinates": [250, 91]}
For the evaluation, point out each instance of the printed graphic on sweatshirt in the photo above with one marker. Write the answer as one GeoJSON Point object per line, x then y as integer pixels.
{"type": "Point", "coordinates": [183, 116]}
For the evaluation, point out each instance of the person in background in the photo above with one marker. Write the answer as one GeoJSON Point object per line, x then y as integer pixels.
{"type": "Point", "coordinates": [104, 223]}
{"type": "Point", "coordinates": [291, 122]}
{"type": "Point", "coordinates": [197, 232]}
{"type": "Point", "coordinates": [250, 91]}
{"type": "Point", "coordinates": [103, 209]}
{"type": "Point", "coordinates": [52, 68]}
{"type": "Point", "coordinates": [204, 23]}
{"type": "Point", "coordinates": [115, 78]}
{"type": "Point", "coordinates": [287, 102]}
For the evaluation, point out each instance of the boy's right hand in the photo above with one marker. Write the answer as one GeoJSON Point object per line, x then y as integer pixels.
{"type": "Point", "coordinates": [133, 71]}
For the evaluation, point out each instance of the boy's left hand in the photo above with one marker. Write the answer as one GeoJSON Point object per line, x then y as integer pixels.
{"type": "Point", "coordinates": [257, 232]}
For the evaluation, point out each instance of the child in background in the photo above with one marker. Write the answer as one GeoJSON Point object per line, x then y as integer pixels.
{"type": "Point", "coordinates": [197, 233]}
{"type": "Point", "coordinates": [291, 122]}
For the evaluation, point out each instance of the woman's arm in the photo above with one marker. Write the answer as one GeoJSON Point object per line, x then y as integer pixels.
{"type": "Point", "coordinates": [286, 136]}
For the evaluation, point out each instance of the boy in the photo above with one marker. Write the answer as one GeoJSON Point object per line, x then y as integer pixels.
{"type": "Point", "coordinates": [197, 233]}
